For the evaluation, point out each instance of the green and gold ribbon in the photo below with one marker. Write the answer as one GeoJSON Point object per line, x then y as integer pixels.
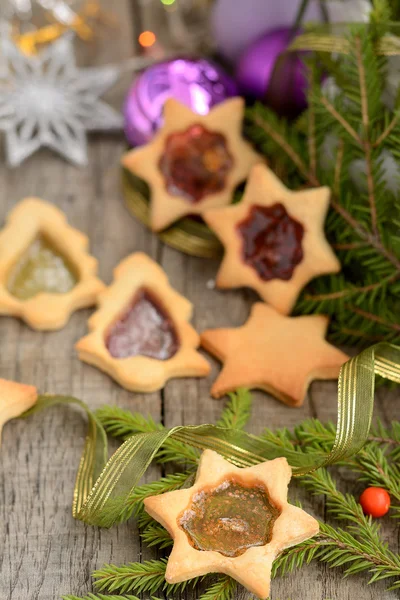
{"type": "Point", "coordinates": [102, 488]}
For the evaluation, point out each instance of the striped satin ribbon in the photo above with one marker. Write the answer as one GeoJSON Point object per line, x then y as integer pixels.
{"type": "Point", "coordinates": [102, 487]}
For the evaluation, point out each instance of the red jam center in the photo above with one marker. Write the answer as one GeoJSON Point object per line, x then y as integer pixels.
{"type": "Point", "coordinates": [195, 163]}
{"type": "Point", "coordinates": [230, 518]}
{"type": "Point", "coordinates": [272, 242]}
{"type": "Point", "coordinates": [145, 329]}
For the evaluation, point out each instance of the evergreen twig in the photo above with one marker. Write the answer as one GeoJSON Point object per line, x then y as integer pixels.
{"type": "Point", "coordinates": [237, 412]}
{"type": "Point", "coordinates": [148, 576]}
{"type": "Point", "coordinates": [102, 597]}
{"type": "Point", "coordinates": [364, 299]}
{"type": "Point", "coordinates": [223, 589]}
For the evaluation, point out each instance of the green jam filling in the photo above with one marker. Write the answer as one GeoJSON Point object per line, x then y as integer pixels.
{"type": "Point", "coordinates": [230, 518]}
{"type": "Point", "coordinates": [41, 269]}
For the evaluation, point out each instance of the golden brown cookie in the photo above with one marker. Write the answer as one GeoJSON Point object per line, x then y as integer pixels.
{"type": "Point", "coordinates": [15, 399]}
{"type": "Point", "coordinates": [140, 334]}
{"type": "Point", "coordinates": [233, 521]}
{"type": "Point", "coordinates": [274, 239]}
{"type": "Point", "coordinates": [278, 354]}
{"type": "Point", "coordinates": [194, 162]}
{"type": "Point", "coordinates": [46, 272]}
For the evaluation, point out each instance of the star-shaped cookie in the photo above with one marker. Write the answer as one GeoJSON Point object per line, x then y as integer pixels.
{"type": "Point", "coordinates": [274, 239]}
{"type": "Point", "coordinates": [140, 334]}
{"type": "Point", "coordinates": [278, 354]}
{"type": "Point", "coordinates": [46, 272]}
{"type": "Point", "coordinates": [233, 521]}
{"type": "Point", "coordinates": [15, 399]}
{"type": "Point", "coordinates": [194, 162]}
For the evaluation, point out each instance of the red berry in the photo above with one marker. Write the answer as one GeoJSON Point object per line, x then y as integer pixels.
{"type": "Point", "coordinates": [375, 501]}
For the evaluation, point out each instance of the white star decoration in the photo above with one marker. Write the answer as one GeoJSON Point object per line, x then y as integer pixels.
{"type": "Point", "coordinates": [47, 101]}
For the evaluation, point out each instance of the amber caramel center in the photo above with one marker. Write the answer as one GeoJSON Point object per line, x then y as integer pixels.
{"type": "Point", "coordinates": [41, 268]}
{"type": "Point", "coordinates": [195, 163]}
{"type": "Point", "coordinates": [272, 241]}
{"type": "Point", "coordinates": [230, 518]}
{"type": "Point", "coordinates": [145, 329]}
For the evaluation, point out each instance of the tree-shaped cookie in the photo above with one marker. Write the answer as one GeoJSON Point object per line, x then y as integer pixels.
{"type": "Point", "coordinates": [274, 239]}
{"type": "Point", "coordinates": [194, 161]}
{"type": "Point", "coordinates": [46, 272]}
{"type": "Point", "coordinates": [140, 335]}
{"type": "Point", "coordinates": [278, 354]}
{"type": "Point", "coordinates": [233, 521]}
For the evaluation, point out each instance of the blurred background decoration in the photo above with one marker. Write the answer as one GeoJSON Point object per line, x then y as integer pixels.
{"type": "Point", "coordinates": [35, 23]}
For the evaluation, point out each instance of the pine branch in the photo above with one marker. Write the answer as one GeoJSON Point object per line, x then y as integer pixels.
{"type": "Point", "coordinates": [169, 483]}
{"type": "Point", "coordinates": [223, 589]}
{"type": "Point", "coordinates": [366, 127]}
{"type": "Point", "coordinates": [122, 424]}
{"type": "Point", "coordinates": [339, 548]}
{"type": "Point", "coordinates": [363, 300]}
{"type": "Point", "coordinates": [102, 597]}
{"type": "Point", "coordinates": [148, 576]}
{"type": "Point", "coordinates": [237, 412]}
{"type": "Point", "coordinates": [156, 535]}
{"type": "Point", "coordinates": [375, 463]}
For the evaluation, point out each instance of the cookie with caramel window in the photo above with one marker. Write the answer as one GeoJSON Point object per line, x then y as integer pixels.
{"type": "Point", "coordinates": [274, 239]}
{"type": "Point", "coordinates": [194, 162]}
{"type": "Point", "coordinates": [140, 334]}
{"type": "Point", "coordinates": [233, 520]}
{"type": "Point", "coordinates": [46, 272]}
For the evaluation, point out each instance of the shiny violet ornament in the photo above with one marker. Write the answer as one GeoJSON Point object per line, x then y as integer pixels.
{"type": "Point", "coordinates": [266, 72]}
{"type": "Point", "coordinates": [198, 83]}
{"type": "Point", "coordinates": [237, 23]}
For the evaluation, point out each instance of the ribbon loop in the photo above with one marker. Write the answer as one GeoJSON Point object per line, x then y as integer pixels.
{"type": "Point", "coordinates": [103, 487]}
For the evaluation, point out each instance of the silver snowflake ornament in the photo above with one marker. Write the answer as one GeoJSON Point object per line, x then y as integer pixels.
{"type": "Point", "coordinates": [47, 101]}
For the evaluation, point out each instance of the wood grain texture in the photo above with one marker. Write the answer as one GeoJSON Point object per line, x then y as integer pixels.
{"type": "Point", "coordinates": [44, 553]}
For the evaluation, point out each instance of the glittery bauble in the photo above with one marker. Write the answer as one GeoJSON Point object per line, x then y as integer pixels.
{"type": "Point", "coordinates": [198, 83]}
{"type": "Point", "coordinates": [266, 72]}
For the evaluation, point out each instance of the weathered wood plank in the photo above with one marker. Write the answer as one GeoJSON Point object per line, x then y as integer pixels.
{"type": "Point", "coordinates": [43, 551]}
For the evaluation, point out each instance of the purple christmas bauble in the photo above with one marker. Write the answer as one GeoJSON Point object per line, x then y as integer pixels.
{"type": "Point", "coordinates": [266, 72]}
{"type": "Point", "coordinates": [198, 83]}
{"type": "Point", "coordinates": [236, 24]}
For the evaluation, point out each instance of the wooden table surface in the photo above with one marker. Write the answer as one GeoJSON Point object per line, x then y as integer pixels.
{"type": "Point", "coordinates": [43, 552]}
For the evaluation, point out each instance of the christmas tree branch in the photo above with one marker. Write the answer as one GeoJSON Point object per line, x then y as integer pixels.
{"type": "Point", "coordinates": [339, 548]}
{"type": "Point", "coordinates": [285, 145]}
{"type": "Point", "coordinates": [371, 317]}
{"type": "Point", "coordinates": [372, 463]}
{"type": "Point", "coordinates": [338, 167]}
{"type": "Point", "coordinates": [386, 132]}
{"type": "Point", "coordinates": [123, 423]}
{"type": "Point", "coordinates": [354, 290]}
{"type": "Point", "coordinates": [238, 410]}
{"type": "Point", "coordinates": [340, 119]}
{"type": "Point", "coordinates": [366, 142]}
{"type": "Point", "coordinates": [312, 142]}
{"type": "Point", "coordinates": [148, 576]}
{"type": "Point", "coordinates": [223, 589]}
{"type": "Point", "coordinates": [364, 299]}
{"type": "Point", "coordinates": [102, 597]}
